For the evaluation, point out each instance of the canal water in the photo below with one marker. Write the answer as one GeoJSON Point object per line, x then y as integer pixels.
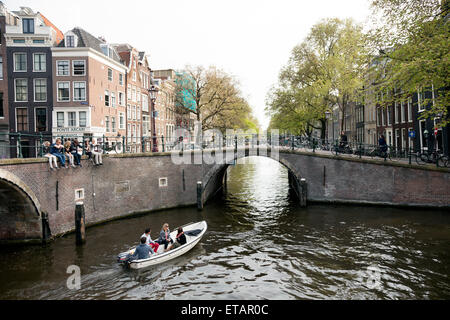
{"type": "Point", "coordinates": [259, 245]}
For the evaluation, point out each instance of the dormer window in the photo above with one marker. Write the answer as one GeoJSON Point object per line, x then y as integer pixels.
{"type": "Point", "coordinates": [107, 50]}
{"type": "Point", "coordinates": [28, 25]}
{"type": "Point", "coordinates": [70, 41]}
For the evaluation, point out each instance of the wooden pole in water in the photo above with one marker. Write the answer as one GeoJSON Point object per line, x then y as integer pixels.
{"type": "Point", "coordinates": [80, 223]}
{"type": "Point", "coordinates": [199, 195]}
{"type": "Point", "coordinates": [303, 193]}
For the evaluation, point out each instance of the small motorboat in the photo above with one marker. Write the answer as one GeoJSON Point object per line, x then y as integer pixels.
{"type": "Point", "coordinates": [193, 232]}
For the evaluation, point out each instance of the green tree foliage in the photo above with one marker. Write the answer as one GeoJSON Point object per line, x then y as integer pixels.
{"type": "Point", "coordinates": [324, 71]}
{"type": "Point", "coordinates": [411, 43]}
{"type": "Point", "coordinates": [217, 98]}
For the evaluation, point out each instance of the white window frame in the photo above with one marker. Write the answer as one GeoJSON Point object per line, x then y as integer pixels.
{"type": "Point", "coordinates": [15, 90]}
{"type": "Point", "coordinates": [121, 79]}
{"type": "Point", "coordinates": [121, 101]}
{"type": "Point", "coordinates": [45, 60]}
{"type": "Point", "coordinates": [14, 61]}
{"type": "Point", "coordinates": [64, 119]}
{"type": "Point", "coordinates": [122, 116]}
{"type": "Point", "coordinates": [79, 121]}
{"type": "Point", "coordinates": [57, 91]}
{"type": "Point", "coordinates": [68, 119]}
{"type": "Point", "coordinates": [73, 91]}
{"type": "Point", "coordinates": [57, 69]}
{"type": "Point", "coordinates": [73, 68]}
{"type": "Point", "coordinates": [28, 118]}
{"type": "Point", "coordinates": [34, 90]}
{"type": "Point", "coordinates": [112, 75]}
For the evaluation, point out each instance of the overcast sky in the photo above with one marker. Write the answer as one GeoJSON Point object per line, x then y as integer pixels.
{"type": "Point", "coordinates": [250, 39]}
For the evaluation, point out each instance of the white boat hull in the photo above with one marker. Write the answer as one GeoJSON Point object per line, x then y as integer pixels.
{"type": "Point", "coordinates": [161, 256]}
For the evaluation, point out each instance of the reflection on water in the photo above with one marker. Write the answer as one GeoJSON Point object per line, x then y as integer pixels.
{"type": "Point", "coordinates": [259, 245]}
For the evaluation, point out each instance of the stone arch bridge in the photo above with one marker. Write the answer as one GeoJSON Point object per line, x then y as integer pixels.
{"type": "Point", "coordinates": [37, 204]}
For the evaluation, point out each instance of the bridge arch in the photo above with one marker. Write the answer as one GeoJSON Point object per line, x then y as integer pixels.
{"type": "Point", "coordinates": [20, 210]}
{"type": "Point", "coordinates": [213, 180]}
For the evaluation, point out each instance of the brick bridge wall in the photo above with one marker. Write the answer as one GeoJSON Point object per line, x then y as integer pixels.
{"type": "Point", "coordinates": [130, 184]}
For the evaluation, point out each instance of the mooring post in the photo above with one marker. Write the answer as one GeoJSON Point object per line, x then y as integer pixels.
{"type": "Point", "coordinates": [303, 193]}
{"type": "Point", "coordinates": [199, 195]}
{"type": "Point", "coordinates": [80, 223]}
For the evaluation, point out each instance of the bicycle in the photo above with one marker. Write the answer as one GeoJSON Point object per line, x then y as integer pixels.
{"type": "Point", "coordinates": [424, 157]}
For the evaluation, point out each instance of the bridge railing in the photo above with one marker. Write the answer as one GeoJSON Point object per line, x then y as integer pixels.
{"type": "Point", "coordinates": [17, 145]}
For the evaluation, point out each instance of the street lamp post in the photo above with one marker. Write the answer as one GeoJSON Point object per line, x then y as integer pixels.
{"type": "Point", "coordinates": [327, 117]}
{"type": "Point", "coordinates": [153, 94]}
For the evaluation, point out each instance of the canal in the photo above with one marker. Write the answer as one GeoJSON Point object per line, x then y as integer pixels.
{"type": "Point", "coordinates": [259, 245]}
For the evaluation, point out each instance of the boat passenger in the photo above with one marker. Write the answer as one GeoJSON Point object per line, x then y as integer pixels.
{"type": "Point", "coordinates": [142, 251]}
{"type": "Point", "coordinates": [149, 241]}
{"type": "Point", "coordinates": [164, 237]}
{"type": "Point", "coordinates": [181, 238]}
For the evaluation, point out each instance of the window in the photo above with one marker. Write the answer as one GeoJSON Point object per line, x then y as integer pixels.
{"type": "Point", "coordinates": [60, 119]}
{"type": "Point", "coordinates": [63, 91]}
{"type": "Point", "coordinates": [121, 99]}
{"type": "Point", "coordinates": [70, 41]}
{"type": "Point", "coordinates": [62, 68]}
{"type": "Point", "coordinates": [113, 99]}
{"type": "Point", "coordinates": [121, 79]}
{"type": "Point", "coordinates": [40, 90]}
{"type": "Point", "coordinates": [133, 94]}
{"type": "Point", "coordinates": [107, 98]}
{"type": "Point", "coordinates": [79, 67]}
{"type": "Point", "coordinates": [402, 106]}
{"type": "Point", "coordinates": [129, 112]}
{"type": "Point", "coordinates": [38, 41]}
{"type": "Point", "coordinates": [139, 95]}
{"type": "Point", "coordinates": [144, 102]}
{"type": "Point", "coordinates": [138, 113]}
{"type": "Point", "coordinates": [420, 100]}
{"type": "Point", "coordinates": [389, 115]}
{"type": "Point", "coordinates": [18, 40]}
{"type": "Point", "coordinates": [396, 114]}
{"type": "Point", "coordinates": [121, 121]}
{"type": "Point", "coordinates": [28, 25]}
{"type": "Point", "coordinates": [20, 62]}
{"type": "Point", "coordinates": [129, 134]}
{"type": "Point", "coordinates": [21, 90]}
{"type": "Point", "coordinates": [107, 123]}
{"type": "Point", "coordinates": [22, 119]}
{"type": "Point", "coordinates": [79, 91]}
{"type": "Point", "coordinates": [1, 66]}
{"type": "Point", "coordinates": [39, 62]}
{"type": "Point", "coordinates": [82, 118]}
{"type": "Point", "coordinates": [110, 74]}
{"type": "Point", "coordinates": [41, 119]}
{"type": "Point", "coordinates": [134, 75]}
{"type": "Point", "coordinates": [1, 105]}
{"type": "Point", "coordinates": [113, 124]}
{"type": "Point", "coordinates": [410, 117]}
{"type": "Point", "coordinates": [72, 119]}
{"type": "Point", "coordinates": [129, 92]}
{"type": "Point", "coordinates": [134, 112]}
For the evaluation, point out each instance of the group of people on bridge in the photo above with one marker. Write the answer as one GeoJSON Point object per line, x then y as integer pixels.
{"type": "Point", "coordinates": [70, 153]}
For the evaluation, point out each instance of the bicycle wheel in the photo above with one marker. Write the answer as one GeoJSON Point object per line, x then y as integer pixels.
{"type": "Point", "coordinates": [421, 158]}
{"type": "Point", "coordinates": [442, 161]}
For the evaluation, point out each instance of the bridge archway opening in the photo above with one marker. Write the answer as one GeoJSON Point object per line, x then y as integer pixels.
{"type": "Point", "coordinates": [20, 217]}
{"type": "Point", "coordinates": [260, 171]}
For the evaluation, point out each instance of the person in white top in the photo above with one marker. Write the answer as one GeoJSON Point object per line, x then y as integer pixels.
{"type": "Point", "coordinates": [149, 241]}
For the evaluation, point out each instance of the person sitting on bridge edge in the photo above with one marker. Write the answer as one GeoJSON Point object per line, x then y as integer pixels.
{"type": "Point", "coordinates": [149, 241]}
{"type": "Point", "coordinates": [164, 237]}
{"type": "Point", "coordinates": [75, 151]}
{"type": "Point", "coordinates": [97, 152]}
{"type": "Point", "coordinates": [67, 147]}
{"type": "Point", "coordinates": [142, 251]}
{"type": "Point", "coordinates": [57, 150]}
{"type": "Point", "coordinates": [47, 154]}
